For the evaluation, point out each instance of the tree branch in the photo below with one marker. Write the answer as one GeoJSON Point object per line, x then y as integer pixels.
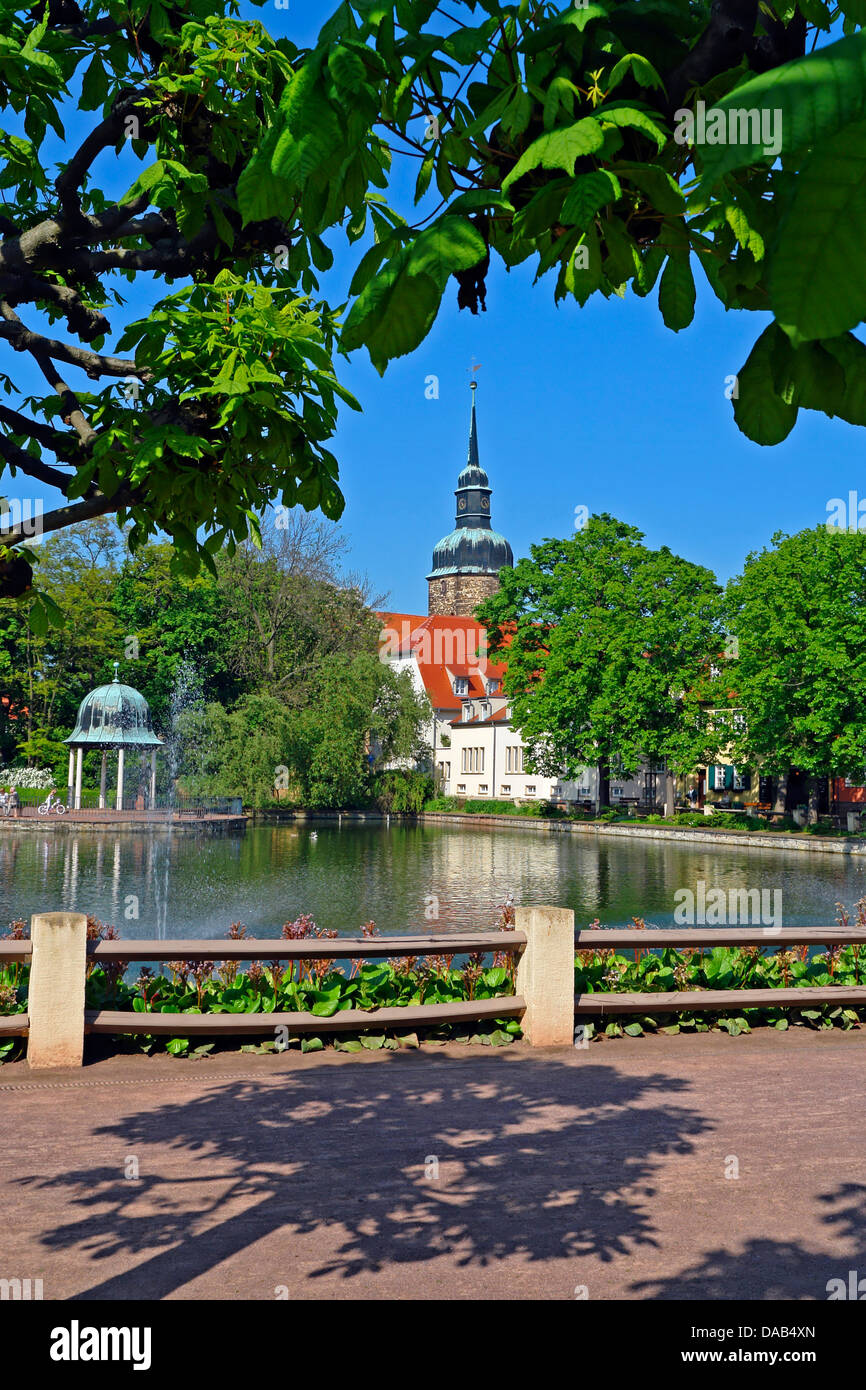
{"type": "Point", "coordinates": [17, 457]}
{"type": "Point", "coordinates": [32, 289]}
{"type": "Point", "coordinates": [99, 505]}
{"type": "Point", "coordinates": [93, 363]}
{"type": "Point", "coordinates": [103, 136]}
{"type": "Point", "coordinates": [47, 435]}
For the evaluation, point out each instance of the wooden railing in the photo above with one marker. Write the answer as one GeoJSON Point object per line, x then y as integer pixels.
{"type": "Point", "coordinates": [544, 942]}
{"type": "Point", "coordinates": [58, 952]}
{"type": "Point", "coordinates": [611, 1002]}
{"type": "Point", "coordinates": [339, 948]}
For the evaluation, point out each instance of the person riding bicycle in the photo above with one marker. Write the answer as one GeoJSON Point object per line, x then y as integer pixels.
{"type": "Point", "coordinates": [51, 800]}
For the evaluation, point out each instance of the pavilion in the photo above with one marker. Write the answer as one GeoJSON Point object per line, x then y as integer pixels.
{"type": "Point", "coordinates": [113, 716]}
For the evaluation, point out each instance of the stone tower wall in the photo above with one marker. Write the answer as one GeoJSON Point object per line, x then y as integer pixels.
{"type": "Point", "coordinates": [458, 595]}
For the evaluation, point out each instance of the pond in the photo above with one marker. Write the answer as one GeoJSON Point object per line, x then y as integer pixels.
{"type": "Point", "coordinates": [195, 886]}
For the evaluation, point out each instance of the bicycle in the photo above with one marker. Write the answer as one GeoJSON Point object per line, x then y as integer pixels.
{"type": "Point", "coordinates": [46, 807]}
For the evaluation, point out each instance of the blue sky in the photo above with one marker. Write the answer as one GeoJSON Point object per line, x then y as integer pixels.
{"type": "Point", "coordinates": [602, 407]}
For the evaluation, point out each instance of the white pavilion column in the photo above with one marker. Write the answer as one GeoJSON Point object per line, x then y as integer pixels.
{"type": "Point", "coordinates": [70, 781]}
{"type": "Point", "coordinates": [102, 781]}
{"type": "Point", "coordinates": [79, 763]}
{"type": "Point", "coordinates": [152, 778]}
{"type": "Point", "coordinates": [120, 779]}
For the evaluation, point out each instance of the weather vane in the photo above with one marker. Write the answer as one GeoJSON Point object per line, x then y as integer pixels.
{"type": "Point", "coordinates": [473, 370]}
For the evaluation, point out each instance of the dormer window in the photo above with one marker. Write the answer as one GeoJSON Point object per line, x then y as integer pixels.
{"type": "Point", "coordinates": [461, 685]}
{"type": "Point", "coordinates": [493, 686]}
{"type": "Point", "coordinates": [467, 709]}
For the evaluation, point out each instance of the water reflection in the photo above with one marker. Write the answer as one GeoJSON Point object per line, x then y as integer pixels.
{"type": "Point", "coordinates": [173, 885]}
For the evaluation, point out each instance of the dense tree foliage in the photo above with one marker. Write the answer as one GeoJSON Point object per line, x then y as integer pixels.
{"type": "Point", "coordinates": [607, 644]}
{"type": "Point", "coordinates": [315, 719]}
{"type": "Point", "coordinates": [614, 144]}
{"type": "Point", "coordinates": [618, 653]}
{"type": "Point", "coordinates": [799, 613]}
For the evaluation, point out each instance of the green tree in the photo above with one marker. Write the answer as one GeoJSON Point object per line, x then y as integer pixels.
{"type": "Point", "coordinates": [239, 751]}
{"type": "Point", "coordinates": [360, 716]}
{"type": "Point", "coordinates": [230, 397]}
{"type": "Point", "coordinates": [46, 673]}
{"type": "Point", "coordinates": [567, 134]}
{"type": "Point", "coordinates": [167, 622]}
{"type": "Point", "coordinates": [615, 144]}
{"type": "Point", "coordinates": [288, 605]}
{"type": "Point", "coordinates": [607, 643]}
{"type": "Point", "coordinates": [798, 612]}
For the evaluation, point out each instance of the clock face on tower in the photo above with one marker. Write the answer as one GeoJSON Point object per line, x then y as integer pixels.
{"type": "Point", "coordinates": [485, 504]}
{"type": "Point", "coordinates": [461, 504]}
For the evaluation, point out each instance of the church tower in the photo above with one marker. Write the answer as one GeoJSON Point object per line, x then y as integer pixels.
{"type": "Point", "coordinates": [466, 563]}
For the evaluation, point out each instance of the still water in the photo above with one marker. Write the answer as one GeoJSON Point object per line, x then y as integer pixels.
{"type": "Point", "coordinates": [195, 886]}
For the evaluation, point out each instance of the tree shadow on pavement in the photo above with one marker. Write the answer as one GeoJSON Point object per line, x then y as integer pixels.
{"type": "Point", "coordinates": [777, 1269]}
{"type": "Point", "coordinates": [393, 1161]}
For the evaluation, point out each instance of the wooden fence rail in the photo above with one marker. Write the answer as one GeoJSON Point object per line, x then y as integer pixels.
{"type": "Point", "coordinates": [681, 1001]}
{"type": "Point", "coordinates": [310, 948]}
{"type": "Point", "coordinates": [347, 1020]}
{"type": "Point", "coordinates": [629, 938]}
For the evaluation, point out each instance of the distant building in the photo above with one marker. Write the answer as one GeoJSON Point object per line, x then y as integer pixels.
{"type": "Point", "coordinates": [477, 754]}
{"type": "Point", "coordinates": [466, 562]}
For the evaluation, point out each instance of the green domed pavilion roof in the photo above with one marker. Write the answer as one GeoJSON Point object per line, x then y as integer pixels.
{"type": "Point", "coordinates": [114, 716]}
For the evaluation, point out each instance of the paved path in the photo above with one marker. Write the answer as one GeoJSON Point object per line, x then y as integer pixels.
{"type": "Point", "coordinates": [454, 1172]}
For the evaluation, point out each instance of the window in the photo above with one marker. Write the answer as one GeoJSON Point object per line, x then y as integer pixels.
{"type": "Point", "coordinates": [513, 758]}
{"type": "Point", "coordinates": [485, 709]}
{"type": "Point", "coordinates": [493, 686]}
{"type": "Point", "coordinates": [461, 685]}
{"type": "Point", "coordinates": [483, 787]}
{"type": "Point", "coordinates": [473, 760]}
{"type": "Point", "coordinates": [530, 791]}
{"type": "Point", "coordinates": [505, 789]}
{"type": "Point", "coordinates": [467, 710]}
{"type": "Point", "coordinates": [461, 786]}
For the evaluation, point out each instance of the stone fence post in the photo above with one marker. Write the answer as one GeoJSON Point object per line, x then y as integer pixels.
{"type": "Point", "coordinates": [55, 1004]}
{"type": "Point", "coordinates": [545, 975]}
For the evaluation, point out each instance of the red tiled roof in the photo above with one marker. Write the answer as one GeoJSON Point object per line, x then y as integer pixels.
{"type": "Point", "coordinates": [444, 647]}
